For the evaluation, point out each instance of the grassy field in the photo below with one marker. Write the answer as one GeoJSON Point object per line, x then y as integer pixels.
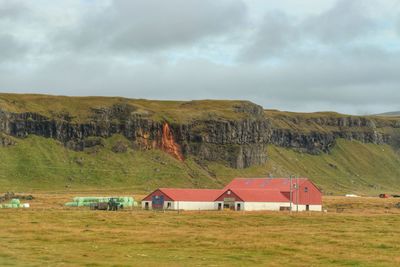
{"type": "Point", "coordinates": [365, 233]}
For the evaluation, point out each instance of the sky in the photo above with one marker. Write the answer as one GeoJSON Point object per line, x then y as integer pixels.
{"type": "Point", "coordinates": [309, 55]}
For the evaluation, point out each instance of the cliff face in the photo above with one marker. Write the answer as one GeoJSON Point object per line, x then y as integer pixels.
{"type": "Point", "coordinates": [241, 142]}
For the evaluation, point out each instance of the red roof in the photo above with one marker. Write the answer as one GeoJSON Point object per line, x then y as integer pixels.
{"type": "Point", "coordinates": [261, 195]}
{"type": "Point", "coordinates": [280, 184]}
{"type": "Point", "coordinates": [200, 195]}
{"type": "Point", "coordinates": [250, 190]}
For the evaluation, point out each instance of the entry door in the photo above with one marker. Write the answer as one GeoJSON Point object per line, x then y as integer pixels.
{"type": "Point", "coordinates": [238, 206]}
{"type": "Point", "coordinates": [229, 203]}
{"type": "Point", "coordinates": [158, 202]}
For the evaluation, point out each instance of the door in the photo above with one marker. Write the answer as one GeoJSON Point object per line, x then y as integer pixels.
{"type": "Point", "coordinates": [307, 207]}
{"type": "Point", "coordinates": [219, 206]}
{"type": "Point", "coordinates": [158, 202]}
{"type": "Point", "coordinates": [238, 207]}
{"type": "Point", "coordinates": [146, 205]}
{"type": "Point", "coordinates": [229, 203]}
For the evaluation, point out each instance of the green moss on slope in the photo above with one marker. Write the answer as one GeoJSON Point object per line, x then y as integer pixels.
{"type": "Point", "coordinates": [37, 163]}
{"type": "Point", "coordinates": [351, 167]}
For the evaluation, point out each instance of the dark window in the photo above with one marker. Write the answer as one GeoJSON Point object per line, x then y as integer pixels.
{"type": "Point", "coordinates": [305, 189]}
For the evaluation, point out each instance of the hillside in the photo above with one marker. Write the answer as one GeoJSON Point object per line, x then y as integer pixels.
{"type": "Point", "coordinates": [79, 143]}
{"type": "Point", "coordinates": [394, 113]}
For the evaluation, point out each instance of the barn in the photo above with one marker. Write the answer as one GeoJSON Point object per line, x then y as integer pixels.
{"type": "Point", "coordinates": [182, 199]}
{"type": "Point", "coordinates": [253, 194]}
{"type": "Point", "coordinates": [253, 200]}
{"type": "Point", "coordinates": [247, 194]}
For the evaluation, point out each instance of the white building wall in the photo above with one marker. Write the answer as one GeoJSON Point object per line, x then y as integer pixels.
{"type": "Point", "coordinates": [191, 205]}
{"type": "Point", "coordinates": [275, 206]}
{"type": "Point", "coordinates": [304, 208]}
{"type": "Point", "coordinates": [257, 206]}
{"type": "Point", "coordinates": [185, 205]}
{"type": "Point", "coordinates": [247, 206]}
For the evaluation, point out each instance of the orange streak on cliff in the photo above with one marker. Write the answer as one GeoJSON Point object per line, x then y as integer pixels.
{"type": "Point", "coordinates": [168, 144]}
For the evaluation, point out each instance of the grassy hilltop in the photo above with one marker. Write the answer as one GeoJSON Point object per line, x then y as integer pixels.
{"type": "Point", "coordinates": [80, 108]}
{"type": "Point", "coordinates": [38, 163]}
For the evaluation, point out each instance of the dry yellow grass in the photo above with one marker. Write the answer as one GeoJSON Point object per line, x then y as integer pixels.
{"type": "Point", "coordinates": [364, 234]}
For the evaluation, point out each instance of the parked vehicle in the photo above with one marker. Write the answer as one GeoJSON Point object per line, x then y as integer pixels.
{"type": "Point", "coordinates": [113, 204]}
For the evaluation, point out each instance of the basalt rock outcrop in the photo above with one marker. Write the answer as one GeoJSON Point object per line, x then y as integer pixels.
{"type": "Point", "coordinates": [241, 142]}
{"type": "Point", "coordinates": [6, 141]}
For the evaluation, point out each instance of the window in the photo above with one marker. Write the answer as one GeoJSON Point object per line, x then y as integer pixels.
{"type": "Point", "coordinates": [305, 189]}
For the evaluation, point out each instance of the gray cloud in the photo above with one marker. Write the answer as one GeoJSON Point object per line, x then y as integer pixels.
{"type": "Point", "coordinates": [351, 81]}
{"type": "Point", "coordinates": [12, 10]}
{"type": "Point", "coordinates": [277, 33]}
{"type": "Point", "coordinates": [344, 22]}
{"type": "Point", "coordinates": [11, 48]}
{"type": "Point", "coordinates": [146, 49]}
{"type": "Point", "coordinates": [398, 25]}
{"type": "Point", "coordinates": [151, 25]}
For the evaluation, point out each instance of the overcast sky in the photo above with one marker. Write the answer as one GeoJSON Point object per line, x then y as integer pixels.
{"type": "Point", "coordinates": [309, 55]}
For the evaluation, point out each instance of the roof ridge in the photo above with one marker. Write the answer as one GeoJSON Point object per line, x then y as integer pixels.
{"type": "Point", "coordinates": [276, 178]}
{"type": "Point", "coordinates": [173, 188]}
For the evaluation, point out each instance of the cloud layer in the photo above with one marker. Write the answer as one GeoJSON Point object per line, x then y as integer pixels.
{"type": "Point", "coordinates": [339, 56]}
{"type": "Point", "coordinates": [135, 25]}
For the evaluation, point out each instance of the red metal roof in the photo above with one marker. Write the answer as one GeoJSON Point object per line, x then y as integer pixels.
{"type": "Point", "coordinates": [250, 190]}
{"type": "Point", "coordinates": [281, 184]}
{"type": "Point", "coordinates": [200, 195]}
{"type": "Point", "coordinates": [261, 195]}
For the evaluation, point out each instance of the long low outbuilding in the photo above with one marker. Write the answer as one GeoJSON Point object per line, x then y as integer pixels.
{"type": "Point", "coordinates": [182, 199]}
{"type": "Point", "coordinates": [299, 194]}
{"type": "Point", "coordinates": [248, 194]}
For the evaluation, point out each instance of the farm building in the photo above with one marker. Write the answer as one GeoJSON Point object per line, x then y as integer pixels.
{"type": "Point", "coordinates": [249, 194]}
{"type": "Point", "coordinates": [274, 194]}
{"type": "Point", "coordinates": [182, 199]}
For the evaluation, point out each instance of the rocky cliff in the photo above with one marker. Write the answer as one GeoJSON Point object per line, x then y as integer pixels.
{"type": "Point", "coordinates": [238, 135]}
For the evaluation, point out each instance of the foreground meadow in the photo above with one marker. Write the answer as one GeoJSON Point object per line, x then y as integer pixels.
{"type": "Point", "coordinates": [364, 233]}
